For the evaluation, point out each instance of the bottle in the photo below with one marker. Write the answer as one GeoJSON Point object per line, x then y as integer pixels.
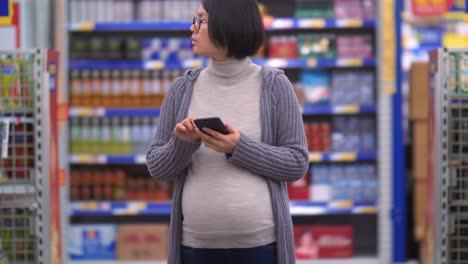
{"type": "Point", "coordinates": [125, 86]}
{"type": "Point", "coordinates": [136, 129]}
{"type": "Point", "coordinates": [147, 90]}
{"type": "Point", "coordinates": [125, 143]}
{"type": "Point", "coordinates": [95, 137]}
{"type": "Point", "coordinates": [106, 137]}
{"type": "Point", "coordinates": [85, 130]}
{"type": "Point", "coordinates": [157, 93]}
{"type": "Point", "coordinates": [85, 88]}
{"type": "Point", "coordinates": [106, 89]}
{"type": "Point", "coordinates": [75, 137]}
{"type": "Point", "coordinates": [135, 89]}
{"type": "Point", "coordinates": [95, 89]}
{"type": "Point", "coordinates": [115, 136]}
{"type": "Point", "coordinates": [166, 81]}
{"type": "Point", "coordinates": [76, 89]}
{"type": "Point", "coordinates": [116, 89]}
{"type": "Point", "coordinates": [119, 186]}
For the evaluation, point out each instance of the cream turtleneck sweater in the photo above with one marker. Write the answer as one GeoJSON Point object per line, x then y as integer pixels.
{"type": "Point", "coordinates": [223, 205]}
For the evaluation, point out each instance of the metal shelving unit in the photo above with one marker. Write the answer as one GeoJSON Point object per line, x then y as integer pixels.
{"type": "Point", "coordinates": [451, 152]}
{"type": "Point", "coordinates": [29, 228]}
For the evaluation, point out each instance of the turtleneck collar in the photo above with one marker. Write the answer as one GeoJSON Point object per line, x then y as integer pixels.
{"type": "Point", "coordinates": [230, 70]}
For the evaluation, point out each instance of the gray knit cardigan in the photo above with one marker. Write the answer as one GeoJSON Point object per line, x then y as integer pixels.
{"type": "Point", "coordinates": [280, 157]}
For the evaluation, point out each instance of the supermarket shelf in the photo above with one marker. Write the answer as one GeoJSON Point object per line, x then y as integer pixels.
{"type": "Point", "coordinates": [275, 24]}
{"type": "Point", "coordinates": [17, 119]}
{"type": "Point", "coordinates": [107, 159]}
{"type": "Point", "coordinates": [341, 109]}
{"type": "Point", "coordinates": [315, 261]}
{"type": "Point", "coordinates": [298, 208]}
{"type": "Point", "coordinates": [195, 63]}
{"type": "Point", "coordinates": [342, 156]}
{"type": "Point", "coordinates": [109, 112]}
{"type": "Point", "coordinates": [314, 157]}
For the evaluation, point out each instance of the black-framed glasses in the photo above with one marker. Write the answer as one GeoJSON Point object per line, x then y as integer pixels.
{"type": "Point", "coordinates": [197, 22]}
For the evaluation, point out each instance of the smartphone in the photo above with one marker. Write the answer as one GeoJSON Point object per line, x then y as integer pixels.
{"type": "Point", "coordinates": [214, 123]}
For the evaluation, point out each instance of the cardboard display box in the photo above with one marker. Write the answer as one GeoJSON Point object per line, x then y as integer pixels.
{"type": "Point", "coordinates": [142, 242]}
{"type": "Point", "coordinates": [419, 91]}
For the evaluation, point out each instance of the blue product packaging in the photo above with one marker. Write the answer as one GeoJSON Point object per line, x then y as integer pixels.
{"type": "Point", "coordinates": [366, 84]}
{"type": "Point", "coordinates": [316, 88]}
{"type": "Point", "coordinates": [92, 242]}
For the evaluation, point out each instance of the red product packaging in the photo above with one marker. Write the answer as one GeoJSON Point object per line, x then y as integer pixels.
{"type": "Point", "coordinates": [314, 242]}
{"type": "Point", "coordinates": [299, 190]}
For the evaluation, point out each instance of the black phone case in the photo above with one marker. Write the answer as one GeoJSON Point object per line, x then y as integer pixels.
{"type": "Point", "coordinates": [214, 123]}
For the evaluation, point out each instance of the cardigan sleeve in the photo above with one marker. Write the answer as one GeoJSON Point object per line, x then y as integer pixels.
{"type": "Point", "coordinates": [288, 160]}
{"type": "Point", "coordinates": [168, 154]}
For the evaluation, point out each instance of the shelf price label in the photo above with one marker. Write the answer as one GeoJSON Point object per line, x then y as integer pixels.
{"type": "Point", "coordinates": [350, 62]}
{"type": "Point", "coordinates": [312, 23]}
{"type": "Point", "coordinates": [88, 206]}
{"type": "Point", "coordinates": [343, 156]}
{"type": "Point", "coordinates": [83, 159]}
{"type": "Point", "coordinates": [346, 109]}
{"type": "Point", "coordinates": [365, 210]}
{"type": "Point", "coordinates": [154, 65]}
{"type": "Point", "coordinates": [282, 23]}
{"type": "Point", "coordinates": [315, 157]}
{"type": "Point", "coordinates": [277, 63]}
{"type": "Point", "coordinates": [86, 26]}
{"type": "Point", "coordinates": [140, 159]}
{"type": "Point", "coordinates": [349, 23]}
{"type": "Point", "coordinates": [81, 112]}
{"type": "Point", "coordinates": [311, 63]}
{"type": "Point", "coordinates": [341, 204]}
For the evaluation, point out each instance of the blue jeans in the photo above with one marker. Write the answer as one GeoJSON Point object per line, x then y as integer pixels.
{"type": "Point", "coordinates": [257, 255]}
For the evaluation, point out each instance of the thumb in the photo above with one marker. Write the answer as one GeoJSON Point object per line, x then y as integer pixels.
{"type": "Point", "coordinates": [230, 129]}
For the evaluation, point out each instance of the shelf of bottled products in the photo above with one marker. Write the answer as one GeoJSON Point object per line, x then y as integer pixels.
{"type": "Point", "coordinates": [154, 112]}
{"type": "Point", "coordinates": [298, 208]}
{"type": "Point", "coordinates": [194, 63]}
{"type": "Point", "coordinates": [357, 260]}
{"type": "Point", "coordinates": [274, 24]}
{"type": "Point", "coordinates": [314, 157]}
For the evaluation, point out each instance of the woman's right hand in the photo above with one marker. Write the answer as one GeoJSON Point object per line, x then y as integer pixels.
{"type": "Point", "coordinates": [187, 130]}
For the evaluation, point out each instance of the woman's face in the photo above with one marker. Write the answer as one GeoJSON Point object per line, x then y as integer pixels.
{"type": "Point", "coordinates": [201, 42]}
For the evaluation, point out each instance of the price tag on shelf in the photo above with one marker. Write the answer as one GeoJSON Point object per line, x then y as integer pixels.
{"type": "Point", "coordinates": [315, 157]}
{"type": "Point", "coordinates": [140, 159]}
{"type": "Point", "coordinates": [83, 159]}
{"type": "Point", "coordinates": [343, 157]}
{"type": "Point", "coordinates": [88, 206]}
{"type": "Point", "coordinates": [311, 63]}
{"type": "Point", "coordinates": [341, 204]}
{"type": "Point", "coordinates": [132, 208]}
{"type": "Point", "coordinates": [82, 112]}
{"type": "Point", "coordinates": [277, 63]}
{"type": "Point", "coordinates": [283, 23]}
{"type": "Point", "coordinates": [100, 159]}
{"type": "Point", "coordinates": [346, 109]}
{"type": "Point", "coordinates": [154, 65]}
{"type": "Point", "coordinates": [365, 210]}
{"type": "Point", "coordinates": [85, 26]}
{"type": "Point", "coordinates": [99, 112]}
{"type": "Point", "coordinates": [312, 23]}
{"type": "Point", "coordinates": [349, 23]}
{"type": "Point", "coordinates": [350, 62]}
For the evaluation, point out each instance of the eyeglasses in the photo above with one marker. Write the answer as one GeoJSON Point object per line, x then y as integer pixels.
{"type": "Point", "coordinates": [197, 22]}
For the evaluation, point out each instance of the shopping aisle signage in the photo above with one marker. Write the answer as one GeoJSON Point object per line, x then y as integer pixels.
{"type": "Point", "coordinates": [430, 7]}
{"type": "Point", "coordinates": [6, 12]}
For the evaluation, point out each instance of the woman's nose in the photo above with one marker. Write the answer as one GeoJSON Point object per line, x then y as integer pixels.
{"type": "Point", "coordinates": [192, 28]}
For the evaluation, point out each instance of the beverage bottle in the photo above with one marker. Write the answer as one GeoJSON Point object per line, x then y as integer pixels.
{"type": "Point", "coordinates": [106, 88]}
{"type": "Point", "coordinates": [95, 140]}
{"type": "Point", "coordinates": [135, 89]}
{"type": "Point", "coordinates": [147, 90]}
{"type": "Point", "coordinates": [86, 185]}
{"type": "Point", "coordinates": [115, 136]}
{"type": "Point", "coordinates": [76, 89]}
{"type": "Point", "coordinates": [136, 135]}
{"type": "Point", "coordinates": [157, 93]}
{"type": "Point", "coordinates": [116, 89]}
{"type": "Point", "coordinates": [125, 93]}
{"type": "Point", "coordinates": [86, 88]}
{"type": "Point", "coordinates": [106, 138]}
{"type": "Point", "coordinates": [86, 144]}
{"type": "Point", "coordinates": [75, 137]}
{"type": "Point", "coordinates": [119, 186]}
{"type": "Point", "coordinates": [95, 89]}
{"type": "Point", "coordinates": [126, 146]}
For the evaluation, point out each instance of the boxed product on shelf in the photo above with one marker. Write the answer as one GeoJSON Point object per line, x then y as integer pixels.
{"type": "Point", "coordinates": [348, 9]}
{"type": "Point", "coordinates": [353, 134]}
{"type": "Point", "coordinates": [343, 182]}
{"type": "Point", "coordinates": [299, 190]}
{"type": "Point", "coordinates": [315, 242]}
{"type": "Point", "coordinates": [316, 88]}
{"type": "Point", "coordinates": [352, 88]}
{"type": "Point", "coordinates": [463, 73]}
{"type": "Point", "coordinates": [16, 234]}
{"type": "Point", "coordinates": [92, 242]}
{"type": "Point", "coordinates": [142, 242]}
{"type": "Point", "coordinates": [283, 47]}
{"type": "Point", "coordinates": [314, 9]}
{"type": "Point", "coordinates": [15, 81]}
{"type": "Point", "coordinates": [354, 46]}
{"type": "Point", "coordinates": [317, 46]}
{"type": "Point", "coordinates": [167, 49]}
{"type": "Point", "coordinates": [318, 136]}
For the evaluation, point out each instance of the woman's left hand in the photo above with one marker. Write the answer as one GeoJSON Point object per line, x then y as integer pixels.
{"type": "Point", "coordinates": [219, 142]}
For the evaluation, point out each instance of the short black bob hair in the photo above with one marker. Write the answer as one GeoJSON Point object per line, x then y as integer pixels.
{"type": "Point", "coordinates": [235, 25]}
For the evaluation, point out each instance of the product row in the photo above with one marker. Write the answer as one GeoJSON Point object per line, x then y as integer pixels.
{"type": "Point", "coordinates": [116, 185]}
{"type": "Point", "coordinates": [459, 76]}
{"type": "Point", "coordinates": [132, 10]}
{"type": "Point", "coordinates": [325, 183]}
{"type": "Point", "coordinates": [150, 242]}
{"type": "Point", "coordinates": [17, 240]}
{"type": "Point", "coordinates": [177, 50]}
{"type": "Point", "coordinates": [343, 134]}
{"type": "Point", "coordinates": [16, 79]}
{"type": "Point", "coordinates": [112, 136]}
{"type": "Point", "coordinates": [338, 88]}
{"type": "Point", "coordinates": [16, 151]}
{"type": "Point", "coordinates": [340, 9]}
{"type": "Point", "coordinates": [320, 46]}
{"type": "Point", "coordinates": [120, 88]}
